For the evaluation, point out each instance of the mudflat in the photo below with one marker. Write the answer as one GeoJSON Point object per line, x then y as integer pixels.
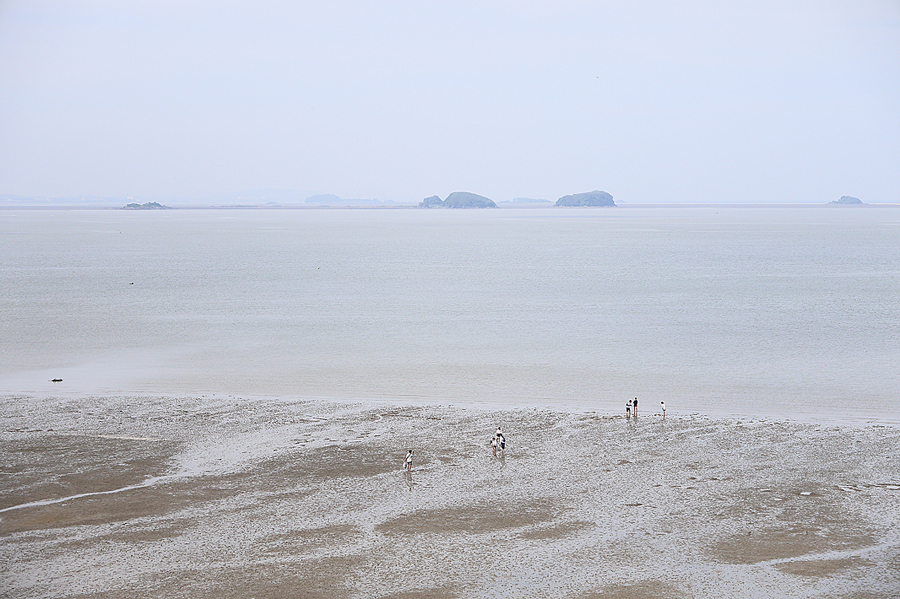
{"type": "Point", "coordinates": [235, 497]}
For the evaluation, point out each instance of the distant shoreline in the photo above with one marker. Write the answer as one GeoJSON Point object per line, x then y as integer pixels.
{"type": "Point", "coordinates": [593, 408]}
{"type": "Point", "coordinates": [501, 206]}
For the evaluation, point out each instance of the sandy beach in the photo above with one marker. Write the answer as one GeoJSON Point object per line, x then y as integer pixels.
{"type": "Point", "coordinates": [235, 497]}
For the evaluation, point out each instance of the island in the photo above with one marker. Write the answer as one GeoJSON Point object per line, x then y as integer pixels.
{"type": "Point", "coordinates": [588, 198]}
{"type": "Point", "coordinates": [147, 206]}
{"type": "Point", "coordinates": [458, 199]}
{"type": "Point", "coordinates": [432, 202]}
{"type": "Point", "coordinates": [847, 200]}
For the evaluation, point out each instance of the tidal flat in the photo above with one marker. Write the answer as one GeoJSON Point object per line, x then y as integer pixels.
{"type": "Point", "coordinates": [226, 496]}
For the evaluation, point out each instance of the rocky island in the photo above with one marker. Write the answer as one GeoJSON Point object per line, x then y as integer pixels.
{"type": "Point", "coordinates": [432, 202]}
{"type": "Point", "coordinates": [147, 206]}
{"type": "Point", "coordinates": [847, 200]}
{"type": "Point", "coordinates": [458, 199]}
{"type": "Point", "coordinates": [588, 198]}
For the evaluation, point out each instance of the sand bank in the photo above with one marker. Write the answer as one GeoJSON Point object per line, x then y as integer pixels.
{"type": "Point", "coordinates": [206, 497]}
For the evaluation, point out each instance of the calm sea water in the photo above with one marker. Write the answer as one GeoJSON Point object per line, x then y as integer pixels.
{"type": "Point", "coordinates": [765, 311]}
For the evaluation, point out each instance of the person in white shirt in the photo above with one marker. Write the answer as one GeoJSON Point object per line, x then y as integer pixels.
{"type": "Point", "coordinates": [408, 462]}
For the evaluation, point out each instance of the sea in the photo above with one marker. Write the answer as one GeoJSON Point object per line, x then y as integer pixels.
{"type": "Point", "coordinates": [784, 312]}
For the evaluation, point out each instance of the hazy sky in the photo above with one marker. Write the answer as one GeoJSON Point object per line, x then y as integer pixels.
{"type": "Point", "coordinates": [739, 101]}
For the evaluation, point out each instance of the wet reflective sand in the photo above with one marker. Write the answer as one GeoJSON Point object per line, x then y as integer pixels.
{"type": "Point", "coordinates": [233, 497]}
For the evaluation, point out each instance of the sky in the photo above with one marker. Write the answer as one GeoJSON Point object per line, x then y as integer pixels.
{"type": "Point", "coordinates": [761, 101]}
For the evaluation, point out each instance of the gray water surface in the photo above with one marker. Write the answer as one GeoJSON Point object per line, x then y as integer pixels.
{"type": "Point", "coordinates": [777, 311]}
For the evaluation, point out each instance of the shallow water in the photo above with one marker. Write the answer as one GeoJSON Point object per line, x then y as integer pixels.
{"type": "Point", "coordinates": [768, 311]}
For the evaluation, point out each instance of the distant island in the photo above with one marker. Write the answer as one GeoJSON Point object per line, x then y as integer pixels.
{"type": "Point", "coordinates": [458, 199]}
{"type": "Point", "coordinates": [847, 200]}
{"type": "Point", "coordinates": [147, 206]}
{"type": "Point", "coordinates": [588, 198]}
{"type": "Point", "coordinates": [431, 202]}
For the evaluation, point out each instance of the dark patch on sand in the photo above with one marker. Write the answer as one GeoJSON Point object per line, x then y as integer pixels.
{"type": "Point", "coordinates": [126, 535]}
{"type": "Point", "coordinates": [821, 568]}
{"type": "Point", "coordinates": [795, 526]}
{"type": "Point", "coordinates": [558, 531]}
{"type": "Point", "coordinates": [300, 541]}
{"type": "Point", "coordinates": [475, 518]}
{"type": "Point", "coordinates": [787, 542]}
{"type": "Point", "coordinates": [434, 593]}
{"type": "Point", "coordinates": [314, 579]}
{"type": "Point", "coordinates": [650, 589]}
{"type": "Point", "coordinates": [141, 534]}
{"type": "Point", "coordinates": [345, 461]}
{"type": "Point", "coordinates": [53, 466]}
{"type": "Point", "coordinates": [155, 500]}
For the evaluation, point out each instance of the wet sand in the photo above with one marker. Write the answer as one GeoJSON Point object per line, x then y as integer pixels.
{"type": "Point", "coordinates": [229, 497]}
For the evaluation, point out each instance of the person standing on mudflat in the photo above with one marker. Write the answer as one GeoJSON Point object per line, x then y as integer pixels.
{"type": "Point", "coordinates": [662, 405]}
{"type": "Point", "coordinates": [634, 406]}
{"type": "Point", "coordinates": [408, 462]}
